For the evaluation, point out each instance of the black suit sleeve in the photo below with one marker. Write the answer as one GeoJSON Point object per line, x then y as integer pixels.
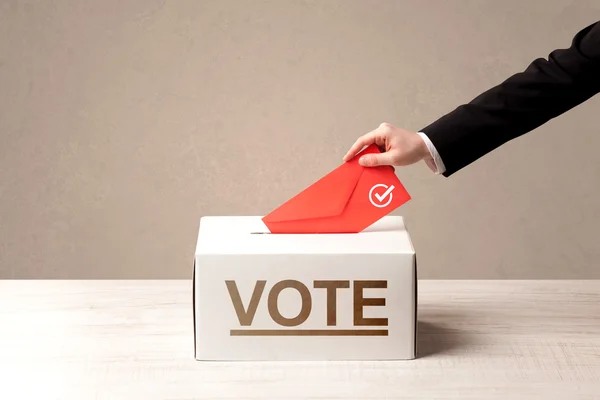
{"type": "Point", "coordinates": [546, 89]}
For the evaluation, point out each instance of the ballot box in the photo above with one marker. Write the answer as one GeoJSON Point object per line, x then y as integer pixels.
{"type": "Point", "coordinates": [336, 296]}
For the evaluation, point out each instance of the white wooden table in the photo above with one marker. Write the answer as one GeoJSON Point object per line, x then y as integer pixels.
{"type": "Point", "coordinates": [133, 340]}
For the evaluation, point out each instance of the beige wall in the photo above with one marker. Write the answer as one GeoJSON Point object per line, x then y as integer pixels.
{"type": "Point", "coordinates": [122, 123]}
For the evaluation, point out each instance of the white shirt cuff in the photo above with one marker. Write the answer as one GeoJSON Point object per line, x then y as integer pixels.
{"type": "Point", "coordinates": [439, 166]}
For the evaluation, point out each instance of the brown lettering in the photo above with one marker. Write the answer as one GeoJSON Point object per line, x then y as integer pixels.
{"type": "Point", "coordinates": [245, 316]}
{"type": "Point", "coordinates": [360, 302]}
{"type": "Point", "coordinates": [331, 287]}
{"type": "Point", "coordinates": [274, 308]}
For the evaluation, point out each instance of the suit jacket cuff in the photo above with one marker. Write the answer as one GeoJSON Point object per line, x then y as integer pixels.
{"type": "Point", "coordinates": [440, 168]}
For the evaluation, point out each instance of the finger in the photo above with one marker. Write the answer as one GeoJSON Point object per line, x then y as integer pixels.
{"type": "Point", "coordinates": [374, 159]}
{"type": "Point", "coordinates": [361, 142]}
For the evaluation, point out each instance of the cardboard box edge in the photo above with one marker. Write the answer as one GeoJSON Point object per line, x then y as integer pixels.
{"type": "Point", "coordinates": [416, 306]}
{"type": "Point", "coordinates": [194, 290]}
{"type": "Point", "coordinates": [194, 308]}
{"type": "Point", "coordinates": [416, 289]}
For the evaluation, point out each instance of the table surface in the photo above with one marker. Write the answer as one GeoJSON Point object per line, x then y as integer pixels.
{"type": "Point", "coordinates": [134, 340]}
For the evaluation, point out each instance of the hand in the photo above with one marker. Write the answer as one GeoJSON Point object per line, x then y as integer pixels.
{"type": "Point", "coordinates": [400, 148]}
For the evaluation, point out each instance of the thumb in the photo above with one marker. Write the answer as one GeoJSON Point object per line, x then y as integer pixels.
{"type": "Point", "coordinates": [373, 160]}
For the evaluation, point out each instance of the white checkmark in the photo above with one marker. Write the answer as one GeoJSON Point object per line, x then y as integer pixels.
{"type": "Point", "coordinates": [385, 194]}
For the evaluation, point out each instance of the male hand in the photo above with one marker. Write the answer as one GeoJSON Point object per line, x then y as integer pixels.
{"type": "Point", "coordinates": [399, 148]}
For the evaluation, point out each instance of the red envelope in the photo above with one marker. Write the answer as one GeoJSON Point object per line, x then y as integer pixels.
{"type": "Point", "coordinates": [347, 200]}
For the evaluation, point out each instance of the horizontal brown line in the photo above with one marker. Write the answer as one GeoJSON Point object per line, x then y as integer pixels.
{"type": "Point", "coordinates": [309, 332]}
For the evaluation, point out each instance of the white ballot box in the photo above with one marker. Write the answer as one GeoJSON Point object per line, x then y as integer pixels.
{"type": "Point", "coordinates": [263, 296]}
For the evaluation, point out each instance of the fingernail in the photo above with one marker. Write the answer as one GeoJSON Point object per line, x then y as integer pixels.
{"type": "Point", "coordinates": [362, 161]}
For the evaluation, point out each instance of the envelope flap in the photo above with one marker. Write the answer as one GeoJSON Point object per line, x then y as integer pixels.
{"type": "Point", "coordinates": [325, 198]}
